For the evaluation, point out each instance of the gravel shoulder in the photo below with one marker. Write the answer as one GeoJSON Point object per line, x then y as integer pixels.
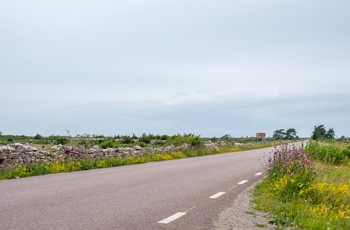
{"type": "Point", "coordinates": [242, 215]}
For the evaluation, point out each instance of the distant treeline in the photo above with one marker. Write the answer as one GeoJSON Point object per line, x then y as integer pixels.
{"type": "Point", "coordinates": [88, 140]}
{"type": "Point", "coordinates": [123, 140]}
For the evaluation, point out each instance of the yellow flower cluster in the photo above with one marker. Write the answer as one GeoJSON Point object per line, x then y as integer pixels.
{"type": "Point", "coordinates": [56, 167]}
{"type": "Point", "coordinates": [326, 200]}
{"type": "Point", "coordinates": [322, 210]}
{"type": "Point", "coordinates": [281, 183]}
{"type": "Point", "coordinates": [334, 200]}
{"type": "Point", "coordinates": [23, 171]}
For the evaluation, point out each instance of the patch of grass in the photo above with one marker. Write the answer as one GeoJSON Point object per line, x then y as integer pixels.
{"type": "Point", "coordinates": [331, 171]}
{"type": "Point", "coordinates": [250, 213]}
{"type": "Point", "coordinates": [260, 225]}
{"type": "Point", "coordinates": [332, 152]}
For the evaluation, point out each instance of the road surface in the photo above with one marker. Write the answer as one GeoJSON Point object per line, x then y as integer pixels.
{"type": "Point", "coordinates": [178, 194]}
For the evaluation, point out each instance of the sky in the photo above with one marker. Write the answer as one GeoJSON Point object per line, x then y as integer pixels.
{"type": "Point", "coordinates": [211, 68]}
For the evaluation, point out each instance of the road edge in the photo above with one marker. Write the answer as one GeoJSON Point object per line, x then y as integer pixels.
{"type": "Point", "coordinates": [242, 215]}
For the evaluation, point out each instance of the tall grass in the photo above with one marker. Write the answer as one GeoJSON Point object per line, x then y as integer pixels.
{"type": "Point", "coordinates": [332, 152]}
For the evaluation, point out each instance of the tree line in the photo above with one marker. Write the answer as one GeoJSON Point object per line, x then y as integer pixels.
{"type": "Point", "coordinates": [319, 132]}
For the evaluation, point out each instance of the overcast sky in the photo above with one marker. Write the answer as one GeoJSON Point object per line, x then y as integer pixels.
{"type": "Point", "coordinates": [164, 67]}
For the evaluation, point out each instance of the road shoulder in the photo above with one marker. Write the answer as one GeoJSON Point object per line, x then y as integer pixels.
{"type": "Point", "coordinates": [242, 215]}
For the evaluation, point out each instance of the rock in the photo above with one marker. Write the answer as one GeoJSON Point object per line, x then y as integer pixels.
{"type": "Point", "coordinates": [33, 149]}
{"type": "Point", "coordinates": [14, 156]}
{"type": "Point", "coordinates": [17, 145]}
{"type": "Point", "coordinates": [56, 147]}
{"type": "Point", "coordinates": [7, 149]}
{"type": "Point", "coordinates": [7, 162]}
{"type": "Point", "coordinates": [210, 145]}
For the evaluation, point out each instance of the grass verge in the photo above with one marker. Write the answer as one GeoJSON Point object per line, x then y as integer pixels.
{"type": "Point", "coordinates": [306, 191]}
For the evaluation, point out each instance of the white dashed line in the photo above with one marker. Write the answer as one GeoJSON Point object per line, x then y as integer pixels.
{"type": "Point", "coordinates": [258, 174]}
{"type": "Point", "coordinates": [242, 182]}
{"type": "Point", "coordinates": [232, 187]}
{"type": "Point", "coordinates": [217, 195]}
{"type": "Point", "coordinates": [172, 218]}
{"type": "Point", "coordinates": [190, 209]}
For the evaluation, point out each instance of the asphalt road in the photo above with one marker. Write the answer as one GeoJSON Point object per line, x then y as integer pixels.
{"type": "Point", "coordinates": [179, 194]}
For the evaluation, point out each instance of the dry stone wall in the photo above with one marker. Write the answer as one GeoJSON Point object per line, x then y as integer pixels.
{"type": "Point", "coordinates": [23, 154]}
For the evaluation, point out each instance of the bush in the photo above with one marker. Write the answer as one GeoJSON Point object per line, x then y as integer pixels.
{"type": "Point", "coordinates": [127, 140]}
{"type": "Point", "coordinates": [194, 141]}
{"type": "Point", "coordinates": [38, 137]}
{"type": "Point", "coordinates": [290, 170]}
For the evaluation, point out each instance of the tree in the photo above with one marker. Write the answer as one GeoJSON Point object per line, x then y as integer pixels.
{"type": "Point", "coordinates": [38, 137]}
{"type": "Point", "coordinates": [127, 140]}
{"type": "Point", "coordinates": [225, 137]}
{"type": "Point", "coordinates": [145, 138]}
{"type": "Point", "coordinates": [319, 132]}
{"type": "Point", "coordinates": [291, 134]}
{"type": "Point", "coordinates": [278, 134]}
{"type": "Point", "coordinates": [330, 133]}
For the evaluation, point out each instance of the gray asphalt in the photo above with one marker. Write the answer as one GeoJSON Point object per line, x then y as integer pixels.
{"type": "Point", "coordinates": [131, 197]}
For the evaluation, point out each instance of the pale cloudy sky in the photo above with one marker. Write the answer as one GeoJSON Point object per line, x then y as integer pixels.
{"type": "Point", "coordinates": [164, 67]}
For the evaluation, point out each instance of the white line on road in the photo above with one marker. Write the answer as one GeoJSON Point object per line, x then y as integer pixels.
{"type": "Point", "coordinates": [242, 182]}
{"type": "Point", "coordinates": [217, 195]}
{"type": "Point", "coordinates": [190, 209]}
{"type": "Point", "coordinates": [172, 218]}
{"type": "Point", "coordinates": [232, 187]}
{"type": "Point", "coordinates": [258, 174]}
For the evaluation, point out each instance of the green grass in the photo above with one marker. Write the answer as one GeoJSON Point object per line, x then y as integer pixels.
{"type": "Point", "coordinates": [333, 152]}
{"type": "Point", "coordinates": [260, 225]}
{"type": "Point", "coordinates": [323, 202]}
{"type": "Point", "coordinates": [251, 213]}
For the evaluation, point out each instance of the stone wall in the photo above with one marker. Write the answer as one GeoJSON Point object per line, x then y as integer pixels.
{"type": "Point", "coordinates": [20, 154]}
{"type": "Point", "coordinates": [24, 154]}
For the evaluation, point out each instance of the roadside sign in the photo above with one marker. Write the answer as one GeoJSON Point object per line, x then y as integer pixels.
{"type": "Point", "coordinates": [260, 135]}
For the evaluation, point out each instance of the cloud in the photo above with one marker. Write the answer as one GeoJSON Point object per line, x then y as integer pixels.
{"type": "Point", "coordinates": [243, 117]}
{"type": "Point", "coordinates": [207, 67]}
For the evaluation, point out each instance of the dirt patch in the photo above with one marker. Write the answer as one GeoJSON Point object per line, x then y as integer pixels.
{"type": "Point", "coordinates": [242, 215]}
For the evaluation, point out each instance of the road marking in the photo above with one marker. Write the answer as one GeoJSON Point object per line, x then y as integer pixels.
{"type": "Point", "coordinates": [258, 174]}
{"type": "Point", "coordinates": [190, 209]}
{"type": "Point", "coordinates": [172, 218]}
{"type": "Point", "coordinates": [217, 195]}
{"type": "Point", "coordinates": [242, 182]}
{"type": "Point", "coordinates": [232, 187]}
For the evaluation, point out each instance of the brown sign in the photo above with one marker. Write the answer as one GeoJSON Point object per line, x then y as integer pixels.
{"type": "Point", "coordinates": [260, 134]}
